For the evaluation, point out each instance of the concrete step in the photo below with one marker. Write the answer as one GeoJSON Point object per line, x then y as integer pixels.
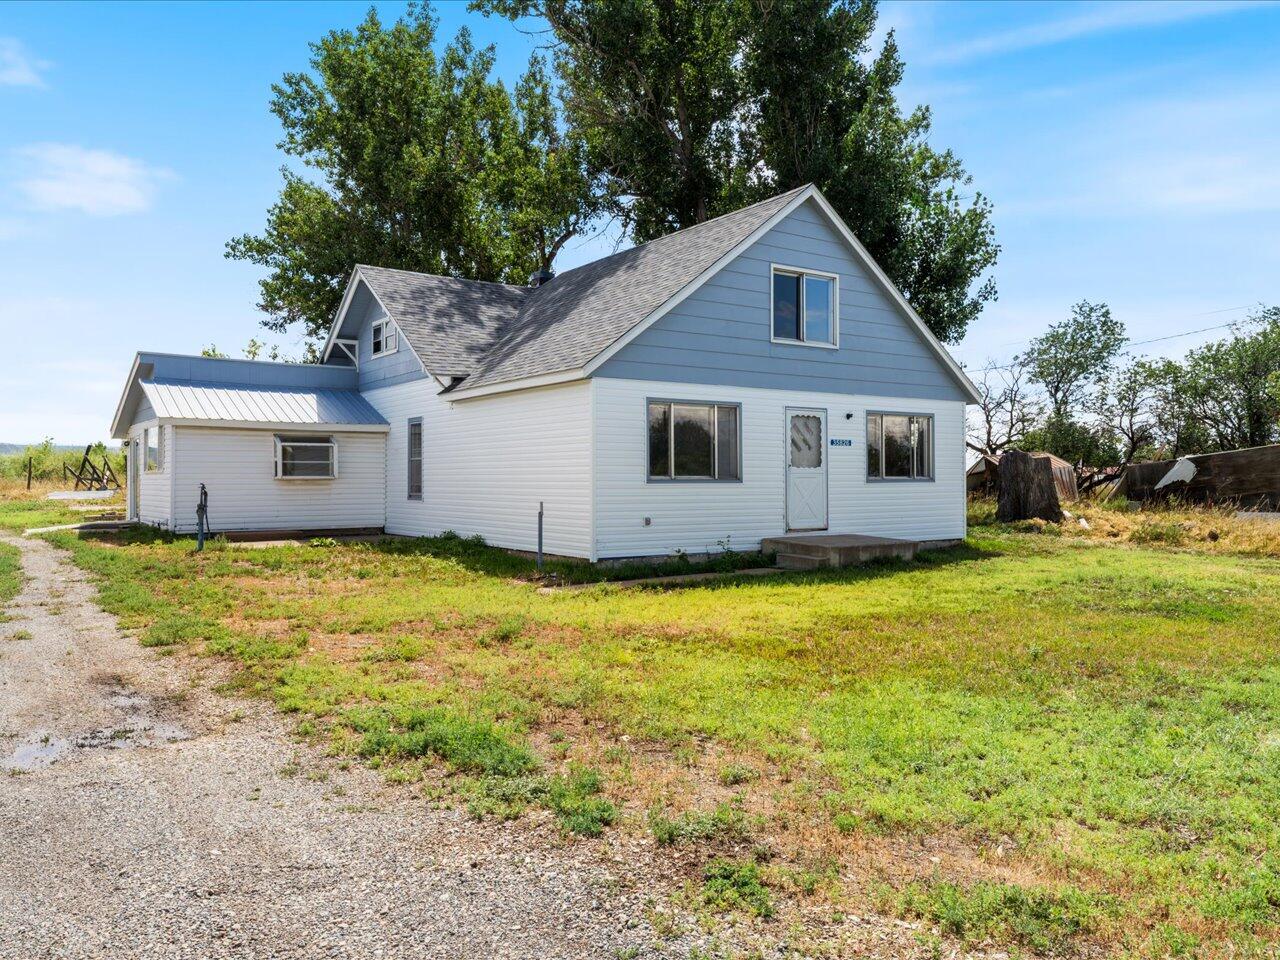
{"type": "Point", "coordinates": [795, 561]}
{"type": "Point", "coordinates": [836, 550]}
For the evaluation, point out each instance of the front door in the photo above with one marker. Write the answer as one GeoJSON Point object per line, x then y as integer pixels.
{"type": "Point", "coordinates": [806, 470]}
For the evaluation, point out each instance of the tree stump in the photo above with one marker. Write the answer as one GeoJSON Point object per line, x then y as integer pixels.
{"type": "Point", "coordinates": [1027, 489]}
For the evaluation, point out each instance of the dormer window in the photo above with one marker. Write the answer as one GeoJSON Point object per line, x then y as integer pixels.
{"type": "Point", "coordinates": [384, 337]}
{"type": "Point", "coordinates": [805, 307]}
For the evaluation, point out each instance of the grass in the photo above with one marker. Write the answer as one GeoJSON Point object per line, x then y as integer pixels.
{"type": "Point", "coordinates": [1088, 732]}
{"type": "Point", "coordinates": [10, 573]}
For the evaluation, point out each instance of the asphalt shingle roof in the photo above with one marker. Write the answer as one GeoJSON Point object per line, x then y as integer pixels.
{"type": "Point", "coordinates": [450, 323]}
{"type": "Point", "coordinates": [492, 332]}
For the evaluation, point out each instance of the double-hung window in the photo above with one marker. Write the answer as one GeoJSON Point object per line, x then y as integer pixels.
{"type": "Point", "coordinates": [694, 441]}
{"type": "Point", "coordinates": [805, 307]}
{"type": "Point", "coordinates": [415, 458]}
{"type": "Point", "coordinates": [899, 447]}
{"type": "Point", "coordinates": [305, 457]}
{"type": "Point", "coordinates": [384, 338]}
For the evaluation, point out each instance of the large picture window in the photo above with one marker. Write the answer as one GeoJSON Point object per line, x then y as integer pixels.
{"type": "Point", "coordinates": [694, 441]}
{"type": "Point", "coordinates": [415, 458]}
{"type": "Point", "coordinates": [899, 447]}
{"type": "Point", "coordinates": [804, 307]}
{"type": "Point", "coordinates": [304, 457]}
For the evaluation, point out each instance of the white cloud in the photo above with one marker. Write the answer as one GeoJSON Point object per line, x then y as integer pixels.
{"type": "Point", "coordinates": [102, 183]}
{"type": "Point", "coordinates": [1096, 19]}
{"type": "Point", "coordinates": [18, 68]}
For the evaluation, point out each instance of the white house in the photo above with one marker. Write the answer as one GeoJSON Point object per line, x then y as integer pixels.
{"type": "Point", "coordinates": [754, 375]}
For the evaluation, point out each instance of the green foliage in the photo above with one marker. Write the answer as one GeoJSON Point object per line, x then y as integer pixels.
{"type": "Point", "coordinates": [1074, 441]}
{"type": "Point", "coordinates": [1074, 355]}
{"type": "Point", "coordinates": [47, 460]}
{"type": "Point", "coordinates": [1223, 396]}
{"type": "Point", "coordinates": [726, 820]}
{"type": "Point", "coordinates": [691, 109]}
{"type": "Point", "coordinates": [467, 745]}
{"type": "Point", "coordinates": [574, 799]}
{"type": "Point", "coordinates": [1042, 920]}
{"type": "Point", "coordinates": [423, 163]}
{"type": "Point", "coordinates": [736, 886]}
{"type": "Point", "coordinates": [10, 572]}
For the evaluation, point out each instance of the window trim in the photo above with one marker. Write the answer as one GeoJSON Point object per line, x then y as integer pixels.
{"type": "Point", "coordinates": [386, 323]}
{"type": "Point", "coordinates": [284, 438]}
{"type": "Point", "coordinates": [408, 451]}
{"type": "Point", "coordinates": [933, 447]}
{"type": "Point", "coordinates": [158, 431]}
{"type": "Point", "coordinates": [777, 268]}
{"type": "Point", "coordinates": [671, 455]}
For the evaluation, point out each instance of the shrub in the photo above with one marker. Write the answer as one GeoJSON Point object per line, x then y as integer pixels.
{"type": "Point", "coordinates": [736, 886]}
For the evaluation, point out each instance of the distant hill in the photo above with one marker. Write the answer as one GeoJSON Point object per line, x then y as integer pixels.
{"type": "Point", "coordinates": [20, 447]}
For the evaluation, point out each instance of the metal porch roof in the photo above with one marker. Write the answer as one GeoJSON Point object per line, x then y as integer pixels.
{"type": "Point", "coordinates": [245, 403]}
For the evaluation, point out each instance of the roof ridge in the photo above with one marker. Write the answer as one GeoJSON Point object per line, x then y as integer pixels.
{"type": "Point", "coordinates": [442, 276]}
{"type": "Point", "coordinates": [684, 231]}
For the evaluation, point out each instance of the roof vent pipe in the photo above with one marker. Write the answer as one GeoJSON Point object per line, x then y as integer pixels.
{"type": "Point", "coordinates": [539, 277]}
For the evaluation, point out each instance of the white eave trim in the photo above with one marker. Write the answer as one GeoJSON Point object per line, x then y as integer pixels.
{"type": "Point", "coordinates": [525, 383]}
{"type": "Point", "coordinates": [128, 385]}
{"type": "Point", "coordinates": [279, 426]}
{"type": "Point", "coordinates": [358, 277]}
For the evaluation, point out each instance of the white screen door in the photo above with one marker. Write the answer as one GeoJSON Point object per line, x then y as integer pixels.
{"type": "Point", "coordinates": [806, 470]}
{"type": "Point", "coordinates": [131, 480]}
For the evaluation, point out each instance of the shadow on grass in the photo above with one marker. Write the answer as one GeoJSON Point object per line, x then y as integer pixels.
{"type": "Point", "coordinates": [479, 557]}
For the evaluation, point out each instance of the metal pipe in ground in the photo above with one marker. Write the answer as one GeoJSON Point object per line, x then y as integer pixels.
{"type": "Point", "coordinates": [539, 534]}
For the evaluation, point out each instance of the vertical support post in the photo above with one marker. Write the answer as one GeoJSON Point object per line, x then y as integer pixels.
{"type": "Point", "coordinates": [30, 461]}
{"type": "Point", "coordinates": [202, 511]}
{"type": "Point", "coordinates": [539, 534]}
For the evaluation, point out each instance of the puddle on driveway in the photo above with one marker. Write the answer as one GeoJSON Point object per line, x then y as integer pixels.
{"type": "Point", "coordinates": [139, 726]}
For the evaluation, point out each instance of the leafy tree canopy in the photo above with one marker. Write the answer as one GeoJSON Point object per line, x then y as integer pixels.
{"type": "Point", "coordinates": [690, 109]}
{"type": "Point", "coordinates": [418, 161]}
{"type": "Point", "coordinates": [1074, 355]}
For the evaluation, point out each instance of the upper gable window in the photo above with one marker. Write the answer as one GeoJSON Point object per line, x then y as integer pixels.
{"type": "Point", "coordinates": [804, 307]}
{"type": "Point", "coordinates": [384, 338]}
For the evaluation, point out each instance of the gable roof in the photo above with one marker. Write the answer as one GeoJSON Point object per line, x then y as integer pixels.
{"type": "Point", "coordinates": [575, 316]}
{"type": "Point", "coordinates": [450, 324]}
{"type": "Point", "coordinates": [502, 337]}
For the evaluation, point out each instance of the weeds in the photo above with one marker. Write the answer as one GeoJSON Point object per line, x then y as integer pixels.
{"type": "Point", "coordinates": [727, 820]}
{"type": "Point", "coordinates": [1042, 920]}
{"type": "Point", "coordinates": [729, 886]}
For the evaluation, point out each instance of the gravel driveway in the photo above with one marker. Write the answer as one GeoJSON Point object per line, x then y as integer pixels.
{"type": "Point", "coordinates": [143, 815]}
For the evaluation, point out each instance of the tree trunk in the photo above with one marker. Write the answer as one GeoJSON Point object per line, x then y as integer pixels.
{"type": "Point", "coordinates": [1027, 489]}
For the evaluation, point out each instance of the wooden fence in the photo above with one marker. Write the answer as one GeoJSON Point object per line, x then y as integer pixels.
{"type": "Point", "coordinates": [1248, 478]}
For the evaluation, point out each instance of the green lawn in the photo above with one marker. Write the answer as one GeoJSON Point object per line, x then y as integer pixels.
{"type": "Point", "coordinates": [10, 573]}
{"type": "Point", "coordinates": [1092, 730]}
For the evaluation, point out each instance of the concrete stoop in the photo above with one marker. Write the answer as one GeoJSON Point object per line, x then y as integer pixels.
{"type": "Point", "coordinates": [812, 551]}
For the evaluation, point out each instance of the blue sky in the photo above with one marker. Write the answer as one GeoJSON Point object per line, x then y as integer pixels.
{"type": "Point", "coordinates": [1129, 148]}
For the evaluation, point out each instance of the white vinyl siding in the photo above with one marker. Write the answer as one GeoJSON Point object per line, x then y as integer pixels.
{"type": "Point", "coordinates": [486, 464]}
{"type": "Point", "coordinates": [155, 487]}
{"type": "Point", "coordinates": [238, 468]}
{"type": "Point", "coordinates": [702, 517]}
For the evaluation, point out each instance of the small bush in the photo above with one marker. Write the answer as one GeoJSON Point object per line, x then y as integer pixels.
{"type": "Point", "coordinates": [574, 799]}
{"type": "Point", "coordinates": [733, 774]}
{"type": "Point", "coordinates": [466, 745]}
{"type": "Point", "coordinates": [694, 825]}
{"type": "Point", "coordinates": [735, 886]}
{"type": "Point", "coordinates": [1040, 919]}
